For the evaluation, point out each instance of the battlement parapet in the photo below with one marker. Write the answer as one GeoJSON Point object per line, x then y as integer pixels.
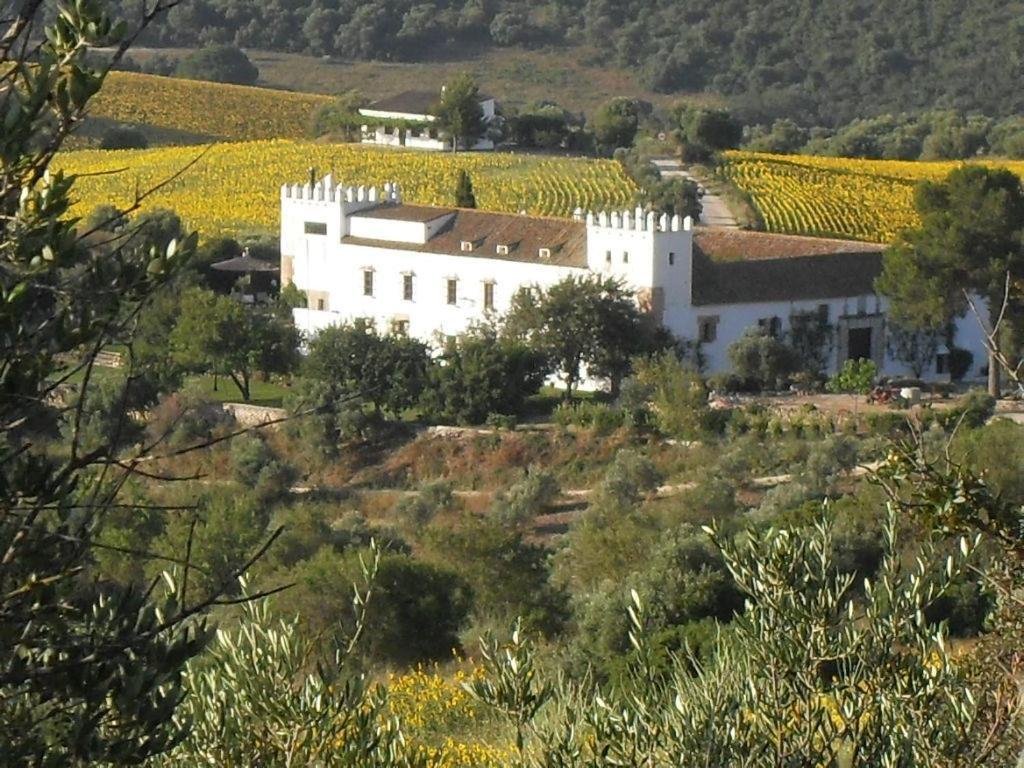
{"type": "Point", "coordinates": [637, 221]}
{"type": "Point", "coordinates": [326, 191]}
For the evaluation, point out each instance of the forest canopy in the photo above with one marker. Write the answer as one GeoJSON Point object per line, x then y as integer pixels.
{"type": "Point", "coordinates": [819, 62]}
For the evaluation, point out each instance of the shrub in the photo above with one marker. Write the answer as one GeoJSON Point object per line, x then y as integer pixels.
{"type": "Point", "coordinates": [600, 417]}
{"type": "Point", "coordinates": [630, 477]}
{"type": "Point", "coordinates": [856, 377]}
{"type": "Point", "coordinates": [124, 137]}
{"type": "Point", "coordinates": [973, 409]}
{"type": "Point", "coordinates": [677, 395]}
{"type": "Point", "coordinates": [502, 421]}
{"type": "Point", "coordinates": [960, 362]}
{"type": "Point", "coordinates": [725, 383]}
{"type": "Point", "coordinates": [524, 500]}
{"type": "Point", "coordinates": [220, 64]}
{"type": "Point", "coordinates": [812, 668]}
{"type": "Point", "coordinates": [256, 466]}
{"type": "Point", "coordinates": [761, 360]}
{"type": "Point", "coordinates": [187, 418]}
{"type": "Point", "coordinates": [106, 415]}
{"type": "Point", "coordinates": [479, 375]}
{"type": "Point", "coordinates": [417, 510]}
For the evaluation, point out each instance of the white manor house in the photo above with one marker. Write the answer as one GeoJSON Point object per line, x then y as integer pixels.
{"type": "Point", "coordinates": [431, 272]}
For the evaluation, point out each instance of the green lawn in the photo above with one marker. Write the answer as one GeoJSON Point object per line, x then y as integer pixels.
{"type": "Point", "coordinates": [267, 393]}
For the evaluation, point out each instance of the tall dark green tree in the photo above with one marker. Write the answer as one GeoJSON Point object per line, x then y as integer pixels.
{"type": "Point", "coordinates": [464, 197]}
{"type": "Point", "coordinates": [459, 113]}
{"type": "Point", "coordinates": [615, 123]}
{"type": "Point", "coordinates": [970, 239]}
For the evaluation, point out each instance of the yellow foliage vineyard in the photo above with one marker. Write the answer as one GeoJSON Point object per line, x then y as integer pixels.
{"type": "Point", "coordinates": [235, 188]}
{"type": "Point", "coordinates": [230, 112]}
{"type": "Point", "coordinates": [833, 196]}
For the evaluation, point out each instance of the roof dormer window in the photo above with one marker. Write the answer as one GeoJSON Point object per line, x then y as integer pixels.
{"type": "Point", "coordinates": [467, 245]}
{"type": "Point", "coordinates": [544, 253]}
{"type": "Point", "coordinates": [502, 249]}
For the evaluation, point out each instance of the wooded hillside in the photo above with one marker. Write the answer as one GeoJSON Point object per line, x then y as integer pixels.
{"type": "Point", "coordinates": [821, 62]}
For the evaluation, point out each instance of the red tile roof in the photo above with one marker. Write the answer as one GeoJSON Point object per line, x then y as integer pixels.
{"type": "Point", "coordinates": [524, 236]}
{"type": "Point", "coordinates": [738, 267]}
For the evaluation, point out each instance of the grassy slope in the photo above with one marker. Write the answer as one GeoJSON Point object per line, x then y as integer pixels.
{"type": "Point", "coordinates": [568, 76]}
{"type": "Point", "coordinates": [200, 109]}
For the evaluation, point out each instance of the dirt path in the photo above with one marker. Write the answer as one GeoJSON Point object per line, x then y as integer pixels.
{"type": "Point", "coordinates": [714, 213]}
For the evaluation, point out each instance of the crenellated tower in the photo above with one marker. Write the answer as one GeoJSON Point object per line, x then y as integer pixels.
{"type": "Point", "coordinates": [651, 253]}
{"type": "Point", "coordinates": [315, 214]}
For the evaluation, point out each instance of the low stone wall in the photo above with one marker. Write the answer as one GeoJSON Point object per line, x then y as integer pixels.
{"type": "Point", "coordinates": [253, 415]}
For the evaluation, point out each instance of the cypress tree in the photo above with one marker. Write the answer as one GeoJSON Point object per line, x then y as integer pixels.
{"type": "Point", "coordinates": [464, 197]}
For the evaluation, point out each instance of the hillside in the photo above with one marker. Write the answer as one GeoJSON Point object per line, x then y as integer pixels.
{"type": "Point", "coordinates": [859, 199]}
{"type": "Point", "coordinates": [204, 110]}
{"type": "Point", "coordinates": [576, 77]}
{"type": "Point", "coordinates": [234, 188]}
{"type": "Point", "coordinates": [818, 61]}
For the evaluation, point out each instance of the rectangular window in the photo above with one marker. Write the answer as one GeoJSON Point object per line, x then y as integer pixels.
{"type": "Point", "coordinates": [544, 253]}
{"type": "Point", "coordinates": [823, 312]}
{"type": "Point", "coordinates": [502, 250]}
{"type": "Point", "coordinates": [707, 329]}
{"type": "Point", "coordinates": [367, 282]}
{"type": "Point", "coordinates": [320, 304]}
{"type": "Point", "coordinates": [771, 326]}
{"type": "Point", "coordinates": [400, 327]}
{"type": "Point", "coordinates": [625, 257]}
{"type": "Point", "coordinates": [671, 258]}
{"type": "Point", "coordinates": [466, 245]}
{"type": "Point", "coordinates": [607, 257]}
{"type": "Point", "coordinates": [407, 287]}
{"type": "Point", "coordinates": [488, 296]}
{"type": "Point", "coordinates": [315, 228]}
{"type": "Point", "coordinates": [453, 289]}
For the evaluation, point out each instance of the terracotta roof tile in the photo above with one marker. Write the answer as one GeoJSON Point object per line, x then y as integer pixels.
{"type": "Point", "coordinates": [524, 236]}
{"type": "Point", "coordinates": [737, 267]}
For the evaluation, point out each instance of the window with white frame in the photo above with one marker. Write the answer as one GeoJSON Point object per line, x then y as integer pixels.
{"type": "Point", "coordinates": [452, 291]}
{"type": "Point", "coordinates": [407, 286]}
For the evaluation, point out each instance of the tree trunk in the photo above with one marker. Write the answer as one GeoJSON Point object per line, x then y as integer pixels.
{"type": "Point", "coordinates": [995, 386]}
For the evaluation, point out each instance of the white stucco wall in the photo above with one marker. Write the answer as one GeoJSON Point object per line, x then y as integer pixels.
{"type": "Point", "coordinates": [735, 319]}
{"type": "Point", "coordinates": [339, 271]}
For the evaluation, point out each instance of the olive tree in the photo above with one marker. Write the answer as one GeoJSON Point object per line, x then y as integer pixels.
{"type": "Point", "coordinates": [89, 671]}
{"type": "Point", "coordinates": [813, 672]}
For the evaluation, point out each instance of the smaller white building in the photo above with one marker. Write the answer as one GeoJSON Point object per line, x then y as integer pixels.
{"type": "Point", "coordinates": [415, 109]}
